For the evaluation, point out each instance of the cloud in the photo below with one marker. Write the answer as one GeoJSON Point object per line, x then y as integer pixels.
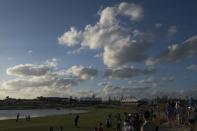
{"type": "Point", "coordinates": [151, 61]}
{"type": "Point", "coordinates": [119, 91]}
{"type": "Point", "coordinates": [168, 78]}
{"type": "Point", "coordinates": [148, 82]}
{"type": "Point", "coordinates": [45, 79]}
{"type": "Point", "coordinates": [29, 51]}
{"type": "Point", "coordinates": [75, 51]}
{"type": "Point", "coordinates": [192, 67]}
{"type": "Point", "coordinates": [70, 38]}
{"type": "Point", "coordinates": [144, 89]}
{"type": "Point", "coordinates": [135, 11]}
{"type": "Point", "coordinates": [127, 72]}
{"type": "Point", "coordinates": [55, 83]}
{"type": "Point", "coordinates": [99, 55]}
{"type": "Point", "coordinates": [120, 44]}
{"type": "Point", "coordinates": [24, 70]}
{"type": "Point", "coordinates": [82, 72]}
{"type": "Point", "coordinates": [158, 25]}
{"type": "Point", "coordinates": [172, 31]}
{"type": "Point", "coordinates": [10, 58]}
{"type": "Point", "coordinates": [178, 52]}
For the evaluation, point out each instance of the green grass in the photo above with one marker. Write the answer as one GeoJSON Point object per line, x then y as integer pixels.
{"type": "Point", "coordinates": [87, 121]}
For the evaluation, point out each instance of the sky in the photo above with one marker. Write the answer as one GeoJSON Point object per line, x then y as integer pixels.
{"type": "Point", "coordinates": [117, 48]}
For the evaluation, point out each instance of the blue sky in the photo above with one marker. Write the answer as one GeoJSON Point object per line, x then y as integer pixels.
{"type": "Point", "coordinates": [36, 36]}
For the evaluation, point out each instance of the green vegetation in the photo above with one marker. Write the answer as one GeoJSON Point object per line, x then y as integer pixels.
{"type": "Point", "coordinates": [87, 121]}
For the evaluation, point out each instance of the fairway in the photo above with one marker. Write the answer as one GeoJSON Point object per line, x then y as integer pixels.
{"type": "Point", "coordinates": [87, 121]}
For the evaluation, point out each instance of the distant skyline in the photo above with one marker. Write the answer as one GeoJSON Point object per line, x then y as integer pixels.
{"type": "Point", "coordinates": [112, 48]}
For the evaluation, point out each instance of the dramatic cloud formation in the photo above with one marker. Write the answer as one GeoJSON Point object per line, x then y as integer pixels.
{"type": "Point", "coordinates": [127, 72]}
{"type": "Point", "coordinates": [120, 44]}
{"type": "Point", "coordinates": [121, 36]}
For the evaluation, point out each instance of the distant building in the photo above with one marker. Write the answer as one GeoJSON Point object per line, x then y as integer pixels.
{"type": "Point", "coordinates": [53, 99]}
{"type": "Point", "coordinates": [90, 100]}
{"type": "Point", "coordinates": [129, 101]}
{"type": "Point", "coordinates": [10, 100]}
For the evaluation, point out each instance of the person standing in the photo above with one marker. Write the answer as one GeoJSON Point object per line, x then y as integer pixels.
{"type": "Point", "coordinates": [51, 128]}
{"type": "Point", "coordinates": [100, 127]}
{"type": "Point", "coordinates": [17, 117]}
{"type": "Point", "coordinates": [193, 119]}
{"type": "Point", "coordinates": [171, 114]}
{"type": "Point", "coordinates": [61, 128]}
{"type": "Point", "coordinates": [76, 121]}
{"type": "Point", "coordinates": [109, 121]}
{"type": "Point", "coordinates": [148, 124]}
{"type": "Point", "coordinates": [118, 122]}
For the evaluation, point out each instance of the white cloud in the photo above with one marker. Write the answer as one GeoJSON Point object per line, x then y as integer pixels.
{"type": "Point", "coordinates": [147, 88]}
{"type": "Point", "coordinates": [82, 72]}
{"type": "Point", "coordinates": [158, 25]}
{"type": "Point", "coordinates": [168, 78]}
{"type": "Point", "coordinates": [119, 44]}
{"type": "Point", "coordinates": [70, 38]}
{"type": "Point", "coordinates": [192, 67]}
{"type": "Point", "coordinates": [119, 91]}
{"type": "Point", "coordinates": [10, 58]}
{"type": "Point", "coordinates": [75, 51]}
{"type": "Point", "coordinates": [151, 61]}
{"type": "Point", "coordinates": [127, 72]}
{"type": "Point", "coordinates": [24, 70]}
{"type": "Point", "coordinates": [172, 31]}
{"type": "Point", "coordinates": [99, 55]}
{"type": "Point", "coordinates": [135, 11]}
{"type": "Point", "coordinates": [178, 52]}
{"type": "Point", "coordinates": [32, 70]}
{"type": "Point", "coordinates": [29, 51]}
{"type": "Point", "coordinates": [148, 82]}
{"type": "Point", "coordinates": [45, 79]}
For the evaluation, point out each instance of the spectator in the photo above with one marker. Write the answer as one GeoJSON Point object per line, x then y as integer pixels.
{"type": "Point", "coordinates": [51, 129]}
{"type": "Point", "coordinates": [61, 128]}
{"type": "Point", "coordinates": [126, 127]}
{"type": "Point", "coordinates": [17, 117]}
{"type": "Point", "coordinates": [76, 120]}
{"type": "Point", "coordinates": [148, 124]}
{"type": "Point", "coordinates": [109, 121]}
{"type": "Point", "coordinates": [100, 127]}
{"type": "Point", "coordinates": [171, 114]}
{"type": "Point", "coordinates": [156, 120]}
{"type": "Point", "coordinates": [95, 129]}
{"type": "Point", "coordinates": [118, 124]}
{"type": "Point", "coordinates": [193, 120]}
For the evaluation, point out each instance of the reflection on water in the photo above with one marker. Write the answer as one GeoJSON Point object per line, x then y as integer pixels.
{"type": "Point", "coordinates": [11, 114]}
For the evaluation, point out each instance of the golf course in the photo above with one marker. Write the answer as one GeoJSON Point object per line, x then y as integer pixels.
{"type": "Point", "coordinates": [87, 121]}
